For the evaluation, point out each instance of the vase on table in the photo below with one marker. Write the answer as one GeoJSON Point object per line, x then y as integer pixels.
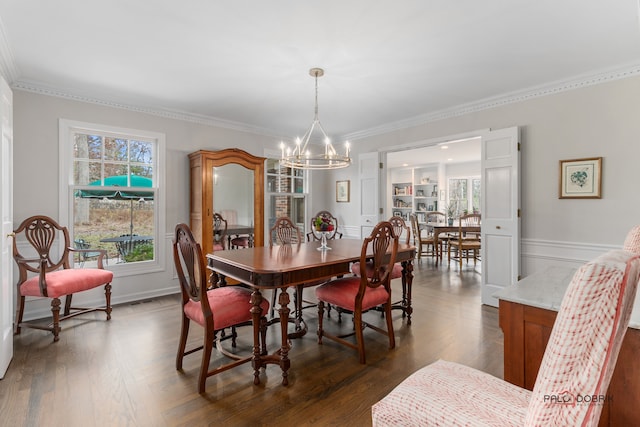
{"type": "Point", "coordinates": [323, 241]}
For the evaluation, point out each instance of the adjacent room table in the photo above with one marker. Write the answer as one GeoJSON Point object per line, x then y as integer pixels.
{"type": "Point", "coordinates": [439, 228]}
{"type": "Point", "coordinates": [277, 267]}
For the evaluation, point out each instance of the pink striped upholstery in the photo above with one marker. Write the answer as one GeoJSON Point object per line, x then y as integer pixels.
{"type": "Point", "coordinates": [578, 361]}
{"type": "Point", "coordinates": [632, 242]}
{"type": "Point", "coordinates": [230, 305]}
{"type": "Point", "coordinates": [67, 281]}
{"type": "Point", "coordinates": [449, 394]}
{"type": "Point", "coordinates": [585, 341]}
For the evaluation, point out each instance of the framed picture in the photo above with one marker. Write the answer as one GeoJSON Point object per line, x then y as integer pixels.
{"type": "Point", "coordinates": [342, 191]}
{"type": "Point", "coordinates": [581, 178]}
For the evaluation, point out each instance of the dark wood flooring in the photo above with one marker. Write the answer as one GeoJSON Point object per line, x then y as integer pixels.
{"type": "Point", "coordinates": [122, 372]}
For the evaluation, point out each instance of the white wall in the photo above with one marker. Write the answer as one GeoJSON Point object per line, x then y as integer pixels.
{"type": "Point", "coordinates": [36, 172]}
{"type": "Point", "coordinates": [599, 120]}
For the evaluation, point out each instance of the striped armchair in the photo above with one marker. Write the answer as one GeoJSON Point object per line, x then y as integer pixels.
{"type": "Point", "coordinates": [579, 361]}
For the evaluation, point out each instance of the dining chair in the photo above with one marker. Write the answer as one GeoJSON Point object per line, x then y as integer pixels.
{"type": "Point", "coordinates": [332, 234]}
{"type": "Point", "coordinates": [213, 309]}
{"type": "Point", "coordinates": [359, 294]}
{"type": "Point", "coordinates": [419, 240]}
{"type": "Point", "coordinates": [400, 228]}
{"type": "Point", "coordinates": [465, 246]}
{"type": "Point", "coordinates": [46, 271]}
{"type": "Point", "coordinates": [579, 360]}
{"type": "Point", "coordinates": [285, 233]}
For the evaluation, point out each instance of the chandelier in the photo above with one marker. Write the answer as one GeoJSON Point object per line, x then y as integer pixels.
{"type": "Point", "coordinates": [302, 157]}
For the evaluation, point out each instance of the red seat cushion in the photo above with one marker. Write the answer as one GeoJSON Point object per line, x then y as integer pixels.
{"type": "Point", "coordinates": [396, 273]}
{"type": "Point", "coordinates": [342, 292]}
{"type": "Point", "coordinates": [230, 305]}
{"type": "Point", "coordinates": [68, 281]}
{"type": "Point", "coordinates": [218, 247]}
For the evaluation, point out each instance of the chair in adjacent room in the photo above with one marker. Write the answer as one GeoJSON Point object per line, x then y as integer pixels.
{"type": "Point", "coordinates": [46, 271]}
{"type": "Point", "coordinates": [214, 309]}
{"type": "Point", "coordinates": [359, 294]}
{"type": "Point", "coordinates": [219, 232]}
{"type": "Point", "coordinates": [579, 361]}
{"type": "Point", "coordinates": [421, 241]}
{"type": "Point", "coordinates": [465, 246]}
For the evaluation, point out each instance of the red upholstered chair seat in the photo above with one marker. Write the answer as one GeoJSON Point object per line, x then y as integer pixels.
{"type": "Point", "coordinates": [342, 293]}
{"type": "Point", "coordinates": [218, 247]}
{"type": "Point", "coordinates": [230, 304]}
{"type": "Point", "coordinates": [65, 282]}
{"type": "Point", "coordinates": [240, 242]}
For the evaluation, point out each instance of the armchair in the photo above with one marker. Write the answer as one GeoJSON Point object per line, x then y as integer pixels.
{"type": "Point", "coordinates": [49, 274]}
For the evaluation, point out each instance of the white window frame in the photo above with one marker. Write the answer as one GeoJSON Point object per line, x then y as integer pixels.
{"type": "Point", "coordinates": [66, 130]}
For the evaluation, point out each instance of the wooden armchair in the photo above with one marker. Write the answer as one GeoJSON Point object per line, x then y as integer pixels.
{"type": "Point", "coordinates": [465, 246]}
{"type": "Point", "coordinates": [47, 272]}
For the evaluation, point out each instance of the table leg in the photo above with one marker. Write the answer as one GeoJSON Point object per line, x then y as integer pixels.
{"type": "Point", "coordinates": [256, 315]}
{"type": "Point", "coordinates": [407, 275]}
{"type": "Point", "coordinates": [436, 247]}
{"type": "Point", "coordinates": [283, 311]}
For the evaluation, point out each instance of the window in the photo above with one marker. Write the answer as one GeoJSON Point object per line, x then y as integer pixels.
{"type": "Point", "coordinates": [286, 188]}
{"type": "Point", "coordinates": [112, 185]}
{"type": "Point", "coordinates": [459, 195]}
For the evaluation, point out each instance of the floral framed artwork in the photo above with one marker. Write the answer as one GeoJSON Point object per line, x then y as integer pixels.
{"type": "Point", "coordinates": [581, 178]}
{"type": "Point", "coordinates": [342, 191]}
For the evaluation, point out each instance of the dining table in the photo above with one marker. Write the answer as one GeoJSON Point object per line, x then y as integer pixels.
{"type": "Point", "coordinates": [279, 267]}
{"type": "Point", "coordinates": [440, 227]}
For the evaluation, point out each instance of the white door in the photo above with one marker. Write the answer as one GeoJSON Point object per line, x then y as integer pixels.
{"type": "Point", "coordinates": [368, 172]}
{"type": "Point", "coordinates": [6, 198]}
{"type": "Point", "coordinates": [500, 207]}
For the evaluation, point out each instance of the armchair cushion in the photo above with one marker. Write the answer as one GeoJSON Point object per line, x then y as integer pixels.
{"type": "Point", "coordinates": [67, 281]}
{"type": "Point", "coordinates": [447, 394]}
{"type": "Point", "coordinates": [632, 241]}
{"type": "Point", "coordinates": [231, 305]}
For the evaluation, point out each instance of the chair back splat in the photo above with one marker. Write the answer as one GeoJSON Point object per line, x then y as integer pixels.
{"type": "Point", "coordinates": [49, 273]}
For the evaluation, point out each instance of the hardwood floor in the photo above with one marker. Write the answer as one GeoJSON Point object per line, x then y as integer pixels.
{"type": "Point", "coordinates": [122, 372]}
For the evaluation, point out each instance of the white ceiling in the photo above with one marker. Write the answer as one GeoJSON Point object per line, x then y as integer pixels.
{"type": "Point", "coordinates": [244, 63]}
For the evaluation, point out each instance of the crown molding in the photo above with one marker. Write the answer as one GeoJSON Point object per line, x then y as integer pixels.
{"type": "Point", "coordinates": [553, 88]}
{"type": "Point", "coordinates": [7, 65]}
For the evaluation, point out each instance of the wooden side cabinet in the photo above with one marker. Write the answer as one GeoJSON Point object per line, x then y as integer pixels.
{"type": "Point", "coordinates": [526, 333]}
{"type": "Point", "coordinates": [203, 165]}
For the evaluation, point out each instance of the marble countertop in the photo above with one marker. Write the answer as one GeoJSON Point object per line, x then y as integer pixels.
{"type": "Point", "coordinates": [545, 289]}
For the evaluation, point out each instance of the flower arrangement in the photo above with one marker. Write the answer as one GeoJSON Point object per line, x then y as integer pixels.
{"type": "Point", "coordinates": [323, 223]}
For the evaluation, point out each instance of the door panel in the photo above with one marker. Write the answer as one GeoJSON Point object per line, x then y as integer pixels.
{"type": "Point", "coordinates": [500, 165]}
{"type": "Point", "coordinates": [369, 192]}
{"type": "Point", "coordinates": [6, 198]}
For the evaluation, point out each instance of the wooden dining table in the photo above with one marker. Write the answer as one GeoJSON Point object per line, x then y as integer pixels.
{"type": "Point", "coordinates": [441, 227]}
{"type": "Point", "coordinates": [278, 267]}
